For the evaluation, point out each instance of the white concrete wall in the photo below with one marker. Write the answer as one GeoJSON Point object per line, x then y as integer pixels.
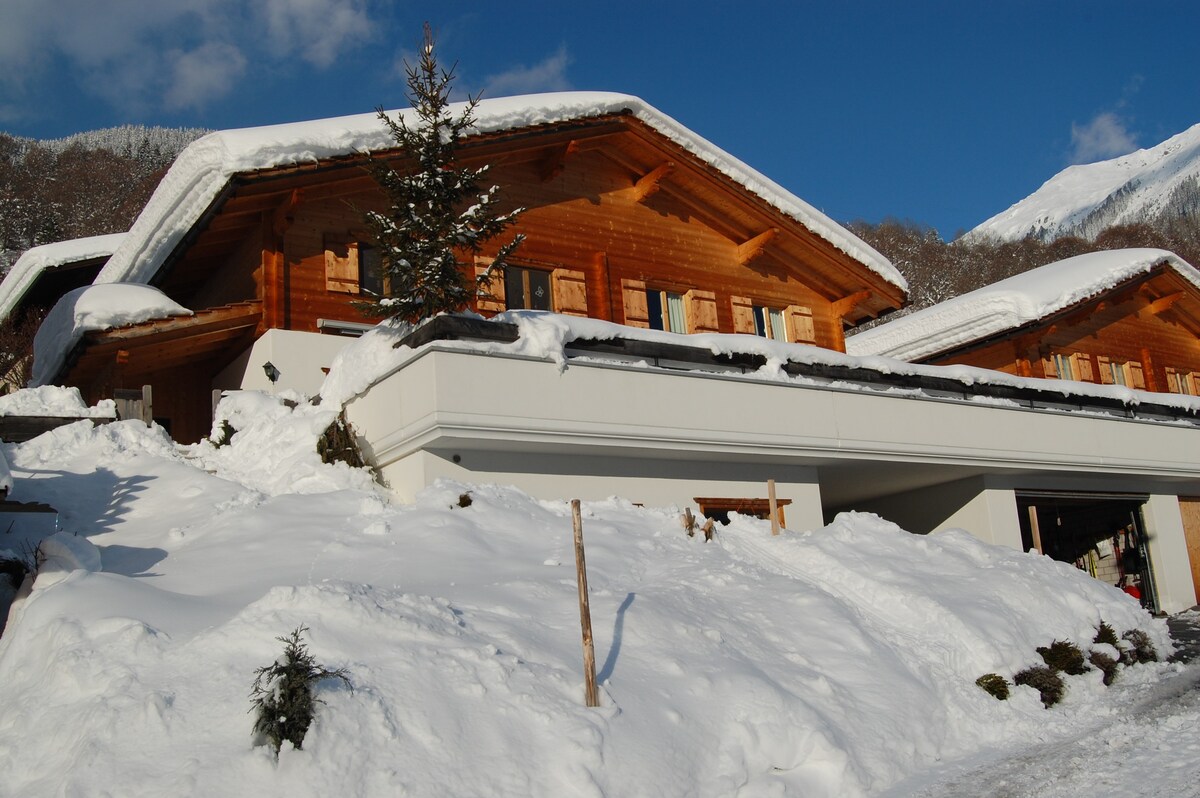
{"type": "Point", "coordinates": [1168, 553]}
{"type": "Point", "coordinates": [990, 516]}
{"type": "Point", "coordinates": [299, 356]}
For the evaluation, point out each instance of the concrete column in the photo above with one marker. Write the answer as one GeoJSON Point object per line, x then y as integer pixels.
{"type": "Point", "coordinates": [1168, 553]}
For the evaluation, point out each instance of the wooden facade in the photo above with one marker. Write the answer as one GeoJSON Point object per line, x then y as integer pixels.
{"type": "Point", "coordinates": [1144, 334]}
{"type": "Point", "coordinates": [620, 223]}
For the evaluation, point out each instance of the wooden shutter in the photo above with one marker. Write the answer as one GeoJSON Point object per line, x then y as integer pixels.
{"type": "Point", "coordinates": [1137, 377]}
{"type": "Point", "coordinates": [800, 325]}
{"type": "Point", "coordinates": [1105, 364]}
{"type": "Point", "coordinates": [743, 315]}
{"type": "Point", "coordinates": [341, 264]}
{"type": "Point", "coordinates": [570, 292]}
{"type": "Point", "coordinates": [1083, 368]}
{"type": "Point", "coordinates": [1048, 369]}
{"type": "Point", "coordinates": [489, 299]}
{"type": "Point", "coordinates": [701, 310]}
{"type": "Point", "coordinates": [633, 298]}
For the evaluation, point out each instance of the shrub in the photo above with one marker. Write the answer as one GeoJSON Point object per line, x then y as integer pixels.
{"type": "Point", "coordinates": [464, 500]}
{"type": "Point", "coordinates": [338, 444]}
{"type": "Point", "coordinates": [1105, 664]}
{"type": "Point", "coordinates": [1141, 649]}
{"type": "Point", "coordinates": [994, 685]}
{"type": "Point", "coordinates": [1065, 656]}
{"type": "Point", "coordinates": [1045, 680]}
{"type": "Point", "coordinates": [1105, 634]}
{"type": "Point", "coordinates": [282, 693]}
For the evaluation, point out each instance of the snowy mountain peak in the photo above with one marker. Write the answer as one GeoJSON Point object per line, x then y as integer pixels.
{"type": "Point", "coordinates": [1148, 185]}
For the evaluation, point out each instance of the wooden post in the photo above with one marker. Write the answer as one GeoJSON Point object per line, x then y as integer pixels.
{"type": "Point", "coordinates": [689, 522]}
{"type": "Point", "coordinates": [591, 694]}
{"type": "Point", "coordinates": [1037, 532]}
{"type": "Point", "coordinates": [774, 507]}
{"type": "Point", "coordinates": [147, 405]}
{"type": "Point", "coordinates": [708, 531]}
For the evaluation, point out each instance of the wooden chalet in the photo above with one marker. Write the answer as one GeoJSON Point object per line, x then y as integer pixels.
{"type": "Point", "coordinates": [628, 218]}
{"type": "Point", "coordinates": [1124, 317]}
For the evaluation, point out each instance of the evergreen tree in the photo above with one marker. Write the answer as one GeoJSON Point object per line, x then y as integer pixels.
{"type": "Point", "coordinates": [436, 212]}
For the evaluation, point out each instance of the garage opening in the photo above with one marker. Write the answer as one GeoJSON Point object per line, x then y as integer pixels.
{"type": "Point", "coordinates": [1101, 533]}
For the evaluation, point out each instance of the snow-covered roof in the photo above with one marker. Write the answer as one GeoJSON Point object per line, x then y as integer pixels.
{"type": "Point", "coordinates": [94, 307]}
{"type": "Point", "coordinates": [203, 169]}
{"type": "Point", "coordinates": [1011, 303]}
{"type": "Point", "coordinates": [34, 261]}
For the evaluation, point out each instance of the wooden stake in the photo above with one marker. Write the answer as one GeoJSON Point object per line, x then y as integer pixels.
{"type": "Point", "coordinates": [689, 522]}
{"type": "Point", "coordinates": [1033, 526]}
{"type": "Point", "coordinates": [774, 507]}
{"type": "Point", "coordinates": [591, 694]}
{"type": "Point", "coordinates": [708, 530]}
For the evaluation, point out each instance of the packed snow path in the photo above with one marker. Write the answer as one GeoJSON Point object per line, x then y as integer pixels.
{"type": "Point", "coordinates": [1152, 747]}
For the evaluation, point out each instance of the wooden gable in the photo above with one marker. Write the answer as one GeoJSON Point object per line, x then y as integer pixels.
{"type": "Point", "coordinates": [1144, 334]}
{"type": "Point", "coordinates": [610, 202]}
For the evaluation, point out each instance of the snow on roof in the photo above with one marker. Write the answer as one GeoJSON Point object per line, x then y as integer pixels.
{"type": "Point", "coordinates": [34, 261]}
{"type": "Point", "coordinates": [94, 307]}
{"type": "Point", "coordinates": [205, 167]}
{"type": "Point", "coordinates": [1011, 303]}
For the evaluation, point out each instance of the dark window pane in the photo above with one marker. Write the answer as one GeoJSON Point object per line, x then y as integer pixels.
{"type": "Point", "coordinates": [514, 288]}
{"type": "Point", "coordinates": [654, 309]}
{"type": "Point", "coordinates": [760, 322]}
{"type": "Point", "coordinates": [370, 270]}
{"type": "Point", "coordinates": [539, 290]}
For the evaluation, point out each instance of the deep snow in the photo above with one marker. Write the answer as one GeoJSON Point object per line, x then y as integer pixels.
{"type": "Point", "coordinates": [838, 661]}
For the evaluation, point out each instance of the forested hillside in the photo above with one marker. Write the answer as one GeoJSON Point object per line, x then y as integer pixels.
{"type": "Point", "coordinates": [87, 184]}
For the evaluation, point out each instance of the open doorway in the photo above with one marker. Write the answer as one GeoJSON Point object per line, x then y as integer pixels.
{"type": "Point", "coordinates": [1101, 533]}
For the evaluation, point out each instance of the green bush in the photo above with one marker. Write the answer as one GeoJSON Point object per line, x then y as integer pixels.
{"type": "Point", "coordinates": [1045, 680]}
{"type": "Point", "coordinates": [994, 685]}
{"type": "Point", "coordinates": [1106, 634]}
{"type": "Point", "coordinates": [1142, 650]}
{"type": "Point", "coordinates": [1065, 656]}
{"type": "Point", "coordinates": [282, 693]}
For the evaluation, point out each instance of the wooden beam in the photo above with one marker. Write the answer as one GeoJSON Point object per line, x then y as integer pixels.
{"type": "Point", "coordinates": [751, 249]}
{"type": "Point", "coordinates": [1163, 304]}
{"type": "Point", "coordinates": [556, 160]}
{"type": "Point", "coordinates": [285, 214]}
{"type": "Point", "coordinates": [846, 305]}
{"type": "Point", "coordinates": [649, 183]}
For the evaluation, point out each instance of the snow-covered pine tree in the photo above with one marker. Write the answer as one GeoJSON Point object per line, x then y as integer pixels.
{"type": "Point", "coordinates": [437, 213]}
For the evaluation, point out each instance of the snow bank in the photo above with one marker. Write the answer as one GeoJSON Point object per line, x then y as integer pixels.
{"type": "Point", "coordinates": [1011, 303]}
{"type": "Point", "coordinates": [53, 400]}
{"type": "Point", "coordinates": [94, 307]}
{"type": "Point", "coordinates": [827, 663]}
{"type": "Point", "coordinates": [34, 261]}
{"type": "Point", "coordinates": [203, 169]}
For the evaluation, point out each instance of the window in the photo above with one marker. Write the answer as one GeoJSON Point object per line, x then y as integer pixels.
{"type": "Point", "coordinates": [719, 509]}
{"type": "Point", "coordinates": [1064, 367]}
{"type": "Point", "coordinates": [770, 323]}
{"type": "Point", "coordinates": [370, 270]}
{"type": "Point", "coordinates": [1183, 382]}
{"type": "Point", "coordinates": [1115, 372]}
{"type": "Point", "coordinates": [665, 311]}
{"type": "Point", "coordinates": [353, 266]}
{"type": "Point", "coordinates": [527, 289]}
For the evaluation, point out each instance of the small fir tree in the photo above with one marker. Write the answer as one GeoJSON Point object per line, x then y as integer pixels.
{"type": "Point", "coordinates": [436, 210]}
{"type": "Point", "coordinates": [282, 693]}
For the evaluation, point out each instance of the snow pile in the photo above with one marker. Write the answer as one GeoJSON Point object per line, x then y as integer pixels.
{"type": "Point", "coordinates": [34, 261]}
{"type": "Point", "coordinates": [1085, 199]}
{"type": "Point", "coordinates": [94, 307]}
{"type": "Point", "coordinates": [55, 401]}
{"type": "Point", "coordinates": [201, 171]}
{"type": "Point", "coordinates": [268, 444]}
{"type": "Point", "coordinates": [1011, 303]}
{"type": "Point", "coordinates": [829, 663]}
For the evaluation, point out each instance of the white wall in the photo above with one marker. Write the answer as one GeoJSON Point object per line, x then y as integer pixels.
{"type": "Point", "coordinates": [1168, 553]}
{"type": "Point", "coordinates": [299, 356]}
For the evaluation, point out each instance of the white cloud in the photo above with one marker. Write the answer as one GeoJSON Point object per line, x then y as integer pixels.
{"type": "Point", "coordinates": [1106, 136]}
{"type": "Point", "coordinates": [549, 75]}
{"type": "Point", "coordinates": [175, 53]}
{"type": "Point", "coordinates": [199, 76]}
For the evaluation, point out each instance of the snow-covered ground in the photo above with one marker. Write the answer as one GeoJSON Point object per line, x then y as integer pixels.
{"type": "Point", "coordinates": [830, 662]}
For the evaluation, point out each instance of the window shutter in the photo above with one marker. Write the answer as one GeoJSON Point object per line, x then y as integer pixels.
{"type": "Point", "coordinates": [701, 311]}
{"type": "Point", "coordinates": [800, 325]}
{"type": "Point", "coordinates": [1137, 378]}
{"type": "Point", "coordinates": [1105, 364]}
{"type": "Point", "coordinates": [1192, 382]}
{"type": "Point", "coordinates": [489, 299]}
{"type": "Point", "coordinates": [1048, 368]}
{"type": "Point", "coordinates": [743, 315]}
{"type": "Point", "coordinates": [1083, 367]}
{"type": "Point", "coordinates": [341, 264]}
{"type": "Point", "coordinates": [570, 292]}
{"type": "Point", "coordinates": [633, 297]}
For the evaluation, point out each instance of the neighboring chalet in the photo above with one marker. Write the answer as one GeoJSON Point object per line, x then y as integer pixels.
{"type": "Point", "coordinates": [1122, 317]}
{"type": "Point", "coordinates": [629, 217]}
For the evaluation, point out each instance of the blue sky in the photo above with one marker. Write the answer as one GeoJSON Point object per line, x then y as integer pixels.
{"type": "Point", "coordinates": [939, 112]}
